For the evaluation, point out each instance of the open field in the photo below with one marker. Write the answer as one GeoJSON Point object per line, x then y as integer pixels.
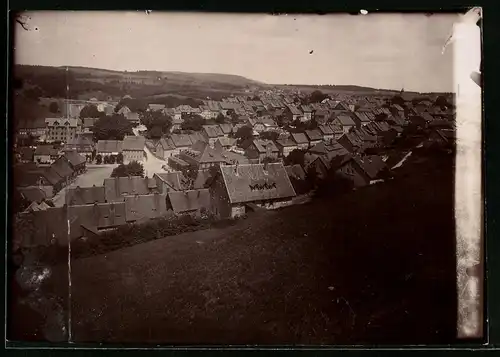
{"type": "Point", "coordinates": [309, 274]}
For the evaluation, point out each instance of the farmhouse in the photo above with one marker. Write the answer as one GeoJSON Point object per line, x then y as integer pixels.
{"type": "Point", "coordinates": [236, 187]}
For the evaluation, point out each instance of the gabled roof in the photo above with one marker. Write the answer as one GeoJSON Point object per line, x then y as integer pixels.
{"type": "Point", "coordinates": [133, 143]}
{"type": "Point", "coordinates": [32, 194]}
{"type": "Point", "coordinates": [233, 158]}
{"type": "Point", "coordinates": [285, 142]}
{"type": "Point", "coordinates": [189, 201]}
{"type": "Point", "coordinates": [109, 146]}
{"type": "Point", "coordinates": [46, 150]}
{"type": "Point", "coordinates": [201, 153]}
{"type": "Point", "coordinates": [250, 183]}
{"type": "Point", "coordinates": [296, 171]}
{"type": "Point", "coordinates": [263, 145]}
{"type": "Point", "coordinates": [213, 131]}
{"type": "Point", "coordinates": [62, 167]}
{"type": "Point", "coordinates": [52, 176]}
{"type": "Point", "coordinates": [85, 195]}
{"type": "Point", "coordinates": [362, 117]}
{"type": "Point", "coordinates": [371, 165]}
{"type": "Point", "coordinates": [226, 128]}
{"type": "Point", "coordinates": [345, 120]}
{"type": "Point", "coordinates": [156, 106]}
{"type": "Point", "coordinates": [197, 136]}
{"type": "Point", "coordinates": [329, 151]}
{"type": "Point", "coordinates": [74, 158]}
{"type": "Point", "coordinates": [227, 141]}
{"type": "Point", "coordinates": [294, 110]}
{"type": "Point", "coordinates": [325, 129]}
{"type": "Point", "coordinates": [61, 122]}
{"type": "Point", "coordinates": [299, 138]}
{"type": "Point", "coordinates": [306, 108]}
{"type": "Point", "coordinates": [314, 134]}
{"type": "Point", "coordinates": [89, 122]}
{"type": "Point", "coordinates": [79, 142]}
{"type": "Point", "coordinates": [117, 187]}
{"type": "Point", "coordinates": [172, 179]}
{"type": "Point", "coordinates": [140, 207]}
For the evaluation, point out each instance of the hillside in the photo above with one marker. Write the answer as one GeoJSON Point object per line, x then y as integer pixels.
{"type": "Point", "coordinates": [374, 266]}
{"type": "Point", "coordinates": [82, 80]}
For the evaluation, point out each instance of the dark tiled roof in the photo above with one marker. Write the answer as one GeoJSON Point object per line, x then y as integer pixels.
{"type": "Point", "coordinates": [74, 158]}
{"type": "Point", "coordinates": [250, 183]}
{"type": "Point", "coordinates": [117, 187]}
{"type": "Point", "coordinates": [85, 195]}
{"type": "Point", "coordinates": [62, 167]}
{"type": "Point", "coordinates": [213, 131]}
{"type": "Point", "coordinates": [345, 120]}
{"type": "Point", "coordinates": [33, 194]}
{"type": "Point", "coordinates": [314, 134]}
{"type": "Point", "coordinates": [133, 143]}
{"type": "Point", "coordinates": [300, 138]}
{"type": "Point", "coordinates": [181, 140]}
{"type": "Point", "coordinates": [46, 150]}
{"type": "Point", "coordinates": [140, 207]}
{"type": "Point", "coordinates": [263, 145]}
{"type": "Point", "coordinates": [109, 146]}
{"type": "Point", "coordinates": [371, 165]}
{"type": "Point", "coordinates": [189, 201]}
{"type": "Point", "coordinates": [172, 179]}
{"type": "Point", "coordinates": [296, 171]}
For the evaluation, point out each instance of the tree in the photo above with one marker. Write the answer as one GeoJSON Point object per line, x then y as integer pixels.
{"type": "Point", "coordinates": [442, 102]}
{"type": "Point", "coordinates": [98, 159]}
{"type": "Point", "coordinates": [90, 111]}
{"type": "Point", "coordinates": [397, 99]}
{"type": "Point", "coordinates": [106, 159]}
{"type": "Point", "coordinates": [33, 93]}
{"type": "Point", "coordinates": [193, 122]}
{"type": "Point", "coordinates": [119, 158]}
{"type": "Point", "coordinates": [317, 97]}
{"type": "Point", "coordinates": [157, 123]}
{"type": "Point", "coordinates": [54, 107]}
{"type": "Point", "coordinates": [132, 169]}
{"type": "Point", "coordinates": [295, 157]}
{"type": "Point", "coordinates": [255, 98]}
{"type": "Point", "coordinates": [112, 159]}
{"type": "Point", "coordinates": [220, 119]}
{"type": "Point", "coordinates": [269, 135]}
{"type": "Point", "coordinates": [113, 127]}
{"type": "Point", "coordinates": [244, 133]}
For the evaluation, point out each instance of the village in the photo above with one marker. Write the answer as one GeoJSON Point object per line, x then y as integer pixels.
{"type": "Point", "coordinates": [102, 164]}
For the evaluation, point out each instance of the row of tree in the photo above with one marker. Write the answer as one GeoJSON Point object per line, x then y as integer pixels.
{"type": "Point", "coordinates": [111, 159]}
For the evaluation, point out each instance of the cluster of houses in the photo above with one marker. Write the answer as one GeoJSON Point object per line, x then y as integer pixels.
{"type": "Point", "coordinates": [217, 171]}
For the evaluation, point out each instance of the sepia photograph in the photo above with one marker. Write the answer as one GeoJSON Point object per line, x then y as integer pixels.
{"type": "Point", "coordinates": [194, 179]}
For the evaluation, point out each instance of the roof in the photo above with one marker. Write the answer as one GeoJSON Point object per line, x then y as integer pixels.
{"type": "Point", "coordinates": [85, 195]}
{"type": "Point", "coordinates": [314, 134]}
{"type": "Point", "coordinates": [80, 143]}
{"type": "Point", "coordinates": [156, 106]}
{"type": "Point", "coordinates": [37, 123]}
{"type": "Point", "coordinates": [134, 143]}
{"type": "Point", "coordinates": [345, 120]}
{"type": "Point", "coordinates": [172, 179]}
{"type": "Point", "coordinates": [189, 201]}
{"type": "Point", "coordinates": [62, 167]}
{"type": "Point", "coordinates": [213, 131]}
{"type": "Point", "coordinates": [74, 158]}
{"type": "Point", "coordinates": [325, 129]}
{"type": "Point", "coordinates": [33, 194]}
{"type": "Point", "coordinates": [296, 171]}
{"type": "Point", "coordinates": [362, 117]}
{"type": "Point", "coordinates": [263, 145]}
{"type": "Point", "coordinates": [285, 142]}
{"type": "Point", "coordinates": [140, 207]}
{"type": "Point", "coordinates": [226, 128]}
{"type": "Point", "coordinates": [181, 140]}
{"type": "Point", "coordinates": [299, 138]}
{"type": "Point", "coordinates": [371, 165]}
{"type": "Point", "coordinates": [95, 216]}
{"type": "Point", "coordinates": [306, 108]}
{"type": "Point", "coordinates": [234, 158]}
{"type": "Point", "coordinates": [52, 176]}
{"type": "Point", "coordinates": [165, 143]}
{"type": "Point", "coordinates": [109, 146]}
{"type": "Point", "coordinates": [26, 153]}
{"type": "Point", "coordinates": [37, 206]}
{"type": "Point", "coordinates": [61, 122]}
{"type": "Point", "coordinates": [294, 110]}
{"type": "Point", "coordinates": [329, 151]}
{"type": "Point", "coordinates": [227, 141]}
{"type": "Point", "coordinates": [89, 122]}
{"type": "Point", "coordinates": [46, 150]}
{"type": "Point", "coordinates": [132, 116]}
{"type": "Point", "coordinates": [250, 183]}
{"type": "Point", "coordinates": [117, 187]}
{"type": "Point", "coordinates": [200, 153]}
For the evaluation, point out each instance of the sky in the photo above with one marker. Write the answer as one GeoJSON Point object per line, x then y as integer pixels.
{"type": "Point", "coordinates": [391, 51]}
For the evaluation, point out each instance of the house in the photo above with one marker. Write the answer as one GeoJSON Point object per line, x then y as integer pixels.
{"type": "Point", "coordinates": [226, 129]}
{"type": "Point", "coordinates": [360, 119]}
{"type": "Point", "coordinates": [116, 188]}
{"type": "Point", "coordinates": [109, 147]}
{"type": "Point", "coordinates": [292, 113]}
{"type": "Point", "coordinates": [88, 124]}
{"type": "Point", "coordinates": [61, 129]}
{"type": "Point", "coordinates": [295, 172]}
{"type": "Point", "coordinates": [339, 108]}
{"type": "Point", "coordinates": [133, 118]}
{"type": "Point", "coordinates": [232, 157]}
{"type": "Point", "coordinates": [197, 136]}
{"type": "Point", "coordinates": [81, 144]}
{"type": "Point", "coordinates": [212, 133]}
{"type": "Point", "coordinates": [361, 171]}
{"type": "Point", "coordinates": [260, 149]}
{"type": "Point", "coordinates": [314, 136]}
{"type": "Point", "coordinates": [237, 187]}
{"type": "Point", "coordinates": [321, 116]}
{"type": "Point", "coordinates": [63, 168]}
{"type": "Point", "coordinates": [33, 194]}
{"type": "Point", "coordinates": [91, 218]}
{"type": "Point", "coordinates": [326, 132]}
{"type": "Point", "coordinates": [286, 146]}
{"type": "Point", "coordinates": [328, 151]}
{"type": "Point", "coordinates": [35, 127]}
{"type": "Point", "coordinates": [442, 137]}
{"type": "Point", "coordinates": [225, 143]}
{"type": "Point", "coordinates": [177, 163]}
{"type": "Point", "coordinates": [189, 202]}
{"type": "Point", "coordinates": [345, 122]}
{"type": "Point", "coordinates": [352, 143]}
{"type": "Point", "coordinates": [133, 149]}
{"type": "Point", "coordinates": [301, 140]}
{"type": "Point", "coordinates": [85, 195]}
{"type": "Point", "coordinates": [201, 156]}
{"type": "Point", "coordinates": [156, 107]}
{"type": "Point", "coordinates": [45, 154]}
{"type": "Point", "coordinates": [143, 207]}
{"type": "Point", "coordinates": [307, 112]}
{"type": "Point", "coordinates": [164, 148]}
{"type": "Point", "coordinates": [124, 110]}
{"type": "Point", "coordinates": [168, 181]}
{"type": "Point", "coordinates": [76, 161]}
{"type": "Point", "coordinates": [337, 129]}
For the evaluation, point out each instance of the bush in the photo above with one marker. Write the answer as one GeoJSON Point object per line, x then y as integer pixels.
{"type": "Point", "coordinates": [98, 159]}
{"type": "Point", "coordinates": [112, 159]}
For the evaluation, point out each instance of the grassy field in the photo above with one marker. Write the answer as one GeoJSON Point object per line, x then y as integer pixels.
{"type": "Point", "coordinates": [373, 266]}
